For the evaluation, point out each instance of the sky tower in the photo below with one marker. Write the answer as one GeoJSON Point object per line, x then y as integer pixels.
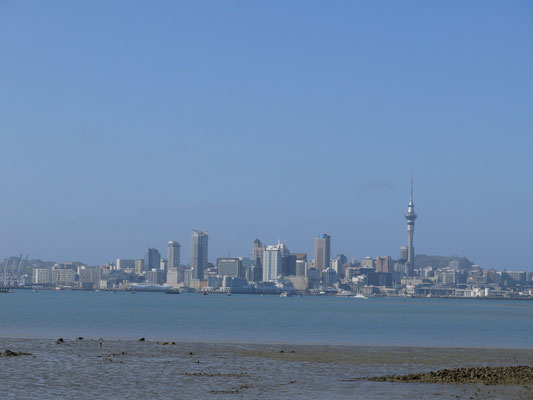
{"type": "Point", "coordinates": [410, 216]}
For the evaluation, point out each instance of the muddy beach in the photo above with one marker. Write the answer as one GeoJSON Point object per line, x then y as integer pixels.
{"type": "Point", "coordinates": [93, 368]}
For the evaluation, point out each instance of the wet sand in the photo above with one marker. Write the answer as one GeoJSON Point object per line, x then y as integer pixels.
{"type": "Point", "coordinates": [82, 369]}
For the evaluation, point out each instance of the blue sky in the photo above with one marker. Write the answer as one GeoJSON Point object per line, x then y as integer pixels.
{"type": "Point", "coordinates": [125, 124]}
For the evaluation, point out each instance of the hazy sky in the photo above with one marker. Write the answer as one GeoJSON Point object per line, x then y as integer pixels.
{"type": "Point", "coordinates": [125, 124]}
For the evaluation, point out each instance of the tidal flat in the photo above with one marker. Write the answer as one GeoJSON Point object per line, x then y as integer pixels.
{"type": "Point", "coordinates": [127, 369]}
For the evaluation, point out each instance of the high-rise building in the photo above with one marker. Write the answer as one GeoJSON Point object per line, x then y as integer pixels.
{"type": "Point", "coordinates": [152, 259]}
{"type": "Point", "coordinates": [257, 251]}
{"type": "Point", "coordinates": [322, 252]}
{"type": "Point", "coordinates": [288, 265]}
{"type": "Point", "coordinates": [271, 263]}
{"type": "Point", "coordinates": [410, 216]}
{"type": "Point", "coordinates": [139, 266]}
{"type": "Point", "coordinates": [173, 254]}
{"type": "Point", "coordinates": [199, 243]}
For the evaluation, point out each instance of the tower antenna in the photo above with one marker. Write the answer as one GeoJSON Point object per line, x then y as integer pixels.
{"type": "Point", "coordinates": [411, 185]}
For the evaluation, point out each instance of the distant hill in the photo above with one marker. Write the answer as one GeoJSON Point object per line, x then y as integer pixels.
{"type": "Point", "coordinates": [455, 262]}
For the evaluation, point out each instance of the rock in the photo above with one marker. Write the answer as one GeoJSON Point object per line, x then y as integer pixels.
{"type": "Point", "coordinates": [80, 338]}
{"type": "Point", "coordinates": [141, 339]}
{"type": "Point", "coordinates": [9, 353]}
{"type": "Point", "coordinates": [515, 375]}
{"type": "Point", "coordinates": [60, 340]}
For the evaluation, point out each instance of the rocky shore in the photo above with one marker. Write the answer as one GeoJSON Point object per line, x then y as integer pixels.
{"type": "Point", "coordinates": [516, 375]}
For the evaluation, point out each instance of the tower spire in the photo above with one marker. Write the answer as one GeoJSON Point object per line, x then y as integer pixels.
{"type": "Point", "coordinates": [411, 187]}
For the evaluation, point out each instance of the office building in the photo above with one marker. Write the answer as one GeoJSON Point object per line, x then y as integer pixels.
{"type": "Point", "coordinates": [403, 254]}
{"type": "Point", "coordinates": [173, 254]}
{"type": "Point", "coordinates": [322, 252]}
{"type": "Point", "coordinates": [271, 263]}
{"type": "Point", "coordinates": [230, 267]}
{"type": "Point", "coordinates": [384, 264]}
{"type": "Point", "coordinates": [124, 263]}
{"type": "Point", "coordinates": [199, 245]}
{"type": "Point", "coordinates": [139, 266]}
{"type": "Point", "coordinates": [257, 251]}
{"type": "Point", "coordinates": [288, 265]}
{"type": "Point", "coordinates": [152, 259]}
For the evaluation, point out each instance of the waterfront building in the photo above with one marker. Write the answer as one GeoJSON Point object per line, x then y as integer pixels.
{"type": "Point", "coordinates": [410, 216]}
{"type": "Point", "coordinates": [199, 246]}
{"type": "Point", "coordinates": [62, 277]}
{"type": "Point", "coordinates": [139, 266]}
{"type": "Point", "coordinates": [271, 263]}
{"type": "Point", "coordinates": [322, 251]}
{"type": "Point", "coordinates": [89, 277]}
{"type": "Point", "coordinates": [230, 267]}
{"type": "Point", "coordinates": [173, 254]}
{"type": "Point", "coordinates": [152, 259]}
{"type": "Point", "coordinates": [41, 276]}
{"type": "Point", "coordinates": [172, 276]}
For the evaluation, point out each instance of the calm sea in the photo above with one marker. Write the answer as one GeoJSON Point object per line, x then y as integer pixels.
{"type": "Point", "coordinates": [267, 319]}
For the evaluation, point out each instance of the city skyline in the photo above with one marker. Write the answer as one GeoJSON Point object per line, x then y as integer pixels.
{"type": "Point", "coordinates": [199, 260]}
{"type": "Point", "coordinates": [179, 116]}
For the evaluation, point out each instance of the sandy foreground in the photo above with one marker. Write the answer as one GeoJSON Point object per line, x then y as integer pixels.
{"type": "Point", "coordinates": [87, 368]}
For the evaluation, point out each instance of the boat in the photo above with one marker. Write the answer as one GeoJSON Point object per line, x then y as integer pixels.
{"type": "Point", "coordinates": [173, 291]}
{"type": "Point", "coordinates": [360, 296]}
{"type": "Point", "coordinates": [204, 294]}
{"type": "Point", "coordinates": [228, 294]}
{"type": "Point", "coordinates": [346, 293]}
{"type": "Point", "coordinates": [285, 294]}
{"type": "Point", "coordinates": [149, 287]}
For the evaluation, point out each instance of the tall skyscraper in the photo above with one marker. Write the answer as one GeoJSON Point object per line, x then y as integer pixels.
{"type": "Point", "coordinates": [322, 252]}
{"type": "Point", "coordinates": [271, 263]}
{"type": "Point", "coordinates": [152, 259]}
{"type": "Point", "coordinates": [410, 216]}
{"type": "Point", "coordinates": [199, 242]}
{"type": "Point", "coordinates": [173, 254]}
{"type": "Point", "coordinates": [257, 251]}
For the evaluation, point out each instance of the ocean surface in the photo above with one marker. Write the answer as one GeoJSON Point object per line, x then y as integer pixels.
{"type": "Point", "coordinates": [267, 319]}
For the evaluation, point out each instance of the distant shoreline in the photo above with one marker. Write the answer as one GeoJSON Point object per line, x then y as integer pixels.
{"type": "Point", "coordinates": [270, 294]}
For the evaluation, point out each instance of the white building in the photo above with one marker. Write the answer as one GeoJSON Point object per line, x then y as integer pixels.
{"type": "Point", "coordinates": [172, 276]}
{"type": "Point", "coordinates": [271, 263]}
{"type": "Point", "coordinates": [62, 277]}
{"type": "Point", "coordinates": [41, 276]}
